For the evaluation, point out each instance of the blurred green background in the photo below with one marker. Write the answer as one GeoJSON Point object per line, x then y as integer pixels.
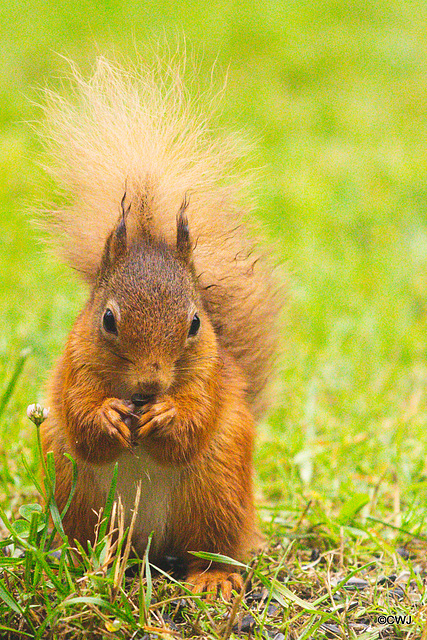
{"type": "Point", "coordinates": [336, 94]}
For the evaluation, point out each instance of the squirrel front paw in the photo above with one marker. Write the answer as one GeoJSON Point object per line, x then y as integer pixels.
{"type": "Point", "coordinates": [210, 581]}
{"type": "Point", "coordinates": [154, 416]}
{"type": "Point", "coordinates": [115, 416]}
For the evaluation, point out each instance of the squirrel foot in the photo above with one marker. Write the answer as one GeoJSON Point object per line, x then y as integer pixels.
{"type": "Point", "coordinates": [155, 415]}
{"type": "Point", "coordinates": [114, 414]}
{"type": "Point", "coordinates": [210, 581]}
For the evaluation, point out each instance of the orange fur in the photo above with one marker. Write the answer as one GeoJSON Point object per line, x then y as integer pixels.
{"type": "Point", "coordinates": [192, 440]}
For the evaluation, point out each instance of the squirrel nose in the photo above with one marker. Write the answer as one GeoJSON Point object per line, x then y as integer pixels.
{"type": "Point", "coordinates": [153, 380]}
{"type": "Point", "coordinates": [148, 390]}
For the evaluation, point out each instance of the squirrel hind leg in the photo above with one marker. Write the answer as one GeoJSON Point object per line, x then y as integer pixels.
{"type": "Point", "coordinates": [213, 580]}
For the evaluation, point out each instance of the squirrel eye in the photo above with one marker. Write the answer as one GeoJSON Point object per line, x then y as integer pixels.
{"type": "Point", "coordinates": [109, 322]}
{"type": "Point", "coordinates": [195, 325]}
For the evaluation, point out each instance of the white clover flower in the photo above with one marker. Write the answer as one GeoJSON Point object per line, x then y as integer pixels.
{"type": "Point", "coordinates": [37, 413]}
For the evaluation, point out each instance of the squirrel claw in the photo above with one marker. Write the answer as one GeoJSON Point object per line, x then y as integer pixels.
{"type": "Point", "coordinates": [115, 413]}
{"type": "Point", "coordinates": [155, 416]}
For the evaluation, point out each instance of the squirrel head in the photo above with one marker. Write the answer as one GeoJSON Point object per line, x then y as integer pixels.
{"type": "Point", "coordinates": [145, 316]}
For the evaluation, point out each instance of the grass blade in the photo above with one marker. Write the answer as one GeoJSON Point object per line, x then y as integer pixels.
{"type": "Point", "coordinates": [73, 484]}
{"type": "Point", "coordinates": [54, 511]}
{"type": "Point", "coordinates": [108, 505]}
{"type": "Point", "coordinates": [7, 597]}
{"type": "Point", "coordinates": [149, 589]}
{"type": "Point", "coordinates": [217, 557]}
{"type": "Point", "coordinates": [7, 394]}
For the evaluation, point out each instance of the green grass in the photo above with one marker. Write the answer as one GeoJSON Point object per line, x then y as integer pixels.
{"type": "Point", "coordinates": [336, 94]}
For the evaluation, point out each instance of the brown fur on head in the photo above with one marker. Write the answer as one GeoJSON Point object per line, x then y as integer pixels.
{"type": "Point", "coordinates": [142, 309]}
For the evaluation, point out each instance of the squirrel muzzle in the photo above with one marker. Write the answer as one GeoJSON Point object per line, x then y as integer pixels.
{"type": "Point", "coordinates": [148, 387]}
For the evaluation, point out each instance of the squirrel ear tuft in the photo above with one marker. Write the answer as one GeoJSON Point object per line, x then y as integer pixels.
{"type": "Point", "coordinates": [120, 232]}
{"type": "Point", "coordinates": [183, 241]}
{"type": "Point", "coordinates": [116, 243]}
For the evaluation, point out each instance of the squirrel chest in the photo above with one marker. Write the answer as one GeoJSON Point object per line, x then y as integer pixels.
{"type": "Point", "coordinates": [157, 484]}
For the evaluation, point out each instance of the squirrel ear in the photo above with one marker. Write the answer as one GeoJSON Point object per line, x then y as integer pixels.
{"type": "Point", "coordinates": [116, 243]}
{"type": "Point", "coordinates": [183, 241]}
{"type": "Point", "coordinates": [120, 232]}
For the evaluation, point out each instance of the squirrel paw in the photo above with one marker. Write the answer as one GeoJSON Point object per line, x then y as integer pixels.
{"type": "Point", "coordinates": [210, 581]}
{"type": "Point", "coordinates": [155, 415]}
{"type": "Point", "coordinates": [114, 415]}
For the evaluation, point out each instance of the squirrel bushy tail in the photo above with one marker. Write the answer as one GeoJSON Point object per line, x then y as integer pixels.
{"type": "Point", "coordinates": [144, 134]}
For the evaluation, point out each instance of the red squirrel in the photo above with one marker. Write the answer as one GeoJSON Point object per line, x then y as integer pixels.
{"type": "Point", "coordinates": [166, 366]}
